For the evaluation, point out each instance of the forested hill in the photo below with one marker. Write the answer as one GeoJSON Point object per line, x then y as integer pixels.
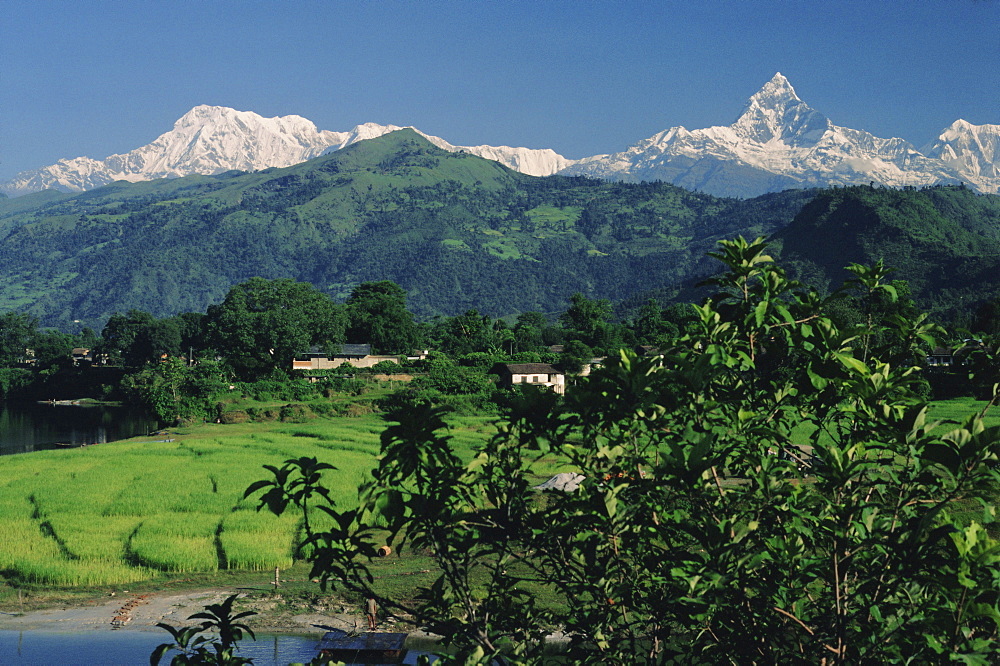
{"type": "Point", "coordinates": [456, 231]}
{"type": "Point", "coordinates": [945, 241]}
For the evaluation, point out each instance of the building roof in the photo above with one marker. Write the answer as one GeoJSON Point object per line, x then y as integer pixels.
{"type": "Point", "coordinates": [345, 350]}
{"type": "Point", "coordinates": [354, 350]}
{"type": "Point", "coordinates": [527, 368]}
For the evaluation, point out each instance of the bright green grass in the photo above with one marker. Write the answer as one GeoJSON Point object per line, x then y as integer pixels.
{"type": "Point", "coordinates": [959, 409]}
{"type": "Point", "coordinates": [125, 511]}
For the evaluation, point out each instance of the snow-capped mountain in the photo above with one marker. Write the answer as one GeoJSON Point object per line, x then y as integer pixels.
{"type": "Point", "coordinates": [777, 142]}
{"type": "Point", "coordinates": [971, 150]}
{"type": "Point", "coordinates": [214, 139]}
{"type": "Point", "coordinates": [205, 140]}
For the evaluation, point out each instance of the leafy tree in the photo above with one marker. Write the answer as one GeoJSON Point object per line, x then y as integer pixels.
{"type": "Point", "coordinates": [120, 334]}
{"type": "Point", "coordinates": [586, 316]}
{"type": "Point", "coordinates": [52, 347]}
{"type": "Point", "coordinates": [471, 332]}
{"type": "Point", "coordinates": [726, 513]}
{"type": "Point", "coordinates": [377, 315]}
{"type": "Point", "coordinates": [575, 356]}
{"type": "Point", "coordinates": [17, 330]}
{"type": "Point", "coordinates": [450, 378]}
{"type": "Point", "coordinates": [587, 321]}
{"type": "Point", "coordinates": [160, 338]}
{"type": "Point", "coordinates": [262, 324]}
{"type": "Point", "coordinates": [174, 390]}
{"type": "Point", "coordinates": [192, 328]}
{"type": "Point", "coordinates": [652, 325]}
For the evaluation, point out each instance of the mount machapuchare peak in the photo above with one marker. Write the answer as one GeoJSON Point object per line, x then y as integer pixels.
{"type": "Point", "coordinates": [775, 112]}
{"type": "Point", "coordinates": [778, 142]}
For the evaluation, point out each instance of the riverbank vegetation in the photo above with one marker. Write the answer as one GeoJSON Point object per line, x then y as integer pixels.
{"type": "Point", "coordinates": [768, 489]}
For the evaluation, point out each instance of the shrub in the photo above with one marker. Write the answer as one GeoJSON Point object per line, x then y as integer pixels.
{"type": "Point", "coordinates": [234, 416]}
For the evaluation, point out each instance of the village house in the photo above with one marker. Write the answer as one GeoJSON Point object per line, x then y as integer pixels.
{"type": "Point", "coordinates": [947, 357]}
{"type": "Point", "coordinates": [534, 374]}
{"type": "Point", "coordinates": [81, 355]}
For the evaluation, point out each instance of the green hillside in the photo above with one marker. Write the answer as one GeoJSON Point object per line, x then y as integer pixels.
{"type": "Point", "coordinates": [456, 231]}
{"type": "Point", "coordinates": [945, 241]}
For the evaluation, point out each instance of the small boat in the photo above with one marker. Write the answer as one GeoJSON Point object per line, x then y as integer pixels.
{"type": "Point", "coordinates": [370, 647]}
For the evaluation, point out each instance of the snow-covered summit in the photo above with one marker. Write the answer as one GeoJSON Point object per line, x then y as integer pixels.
{"type": "Point", "coordinates": [213, 139]}
{"type": "Point", "coordinates": [971, 150]}
{"type": "Point", "coordinates": [775, 113]}
{"type": "Point", "coordinates": [777, 142]}
{"type": "Point", "coordinates": [205, 140]}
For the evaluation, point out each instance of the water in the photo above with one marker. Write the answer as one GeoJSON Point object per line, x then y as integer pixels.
{"type": "Point", "coordinates": [128, 648]}
{"type": "Point", "coordinates": [125, 648]}
{"type": "Point", "coordinates": [26, 426]}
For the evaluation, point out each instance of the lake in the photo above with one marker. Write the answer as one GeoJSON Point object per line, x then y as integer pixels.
{"type": "Point", "coordinates": [124, 648]}
{"type": "Point", "coordinates": [26, 426]}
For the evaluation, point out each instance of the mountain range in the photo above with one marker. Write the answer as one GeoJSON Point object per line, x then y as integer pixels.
{"type": "Point", "coordinates": [777, 142]}
{"type": "Point", "coordinates": [457, 231]}
{"type": "Point", "coordinates": [461, 232]}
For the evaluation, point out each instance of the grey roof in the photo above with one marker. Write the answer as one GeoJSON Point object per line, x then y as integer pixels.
{"type": "Point", "coordinates": [354, 350]}
{"type": "Point", "coordinates": [530, 369]}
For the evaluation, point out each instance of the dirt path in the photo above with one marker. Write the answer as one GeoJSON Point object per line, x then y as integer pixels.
{"type": "Point", "coordinates": [143, 612]}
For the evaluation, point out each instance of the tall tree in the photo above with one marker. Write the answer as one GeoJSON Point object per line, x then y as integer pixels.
{"type": "Point", "coordinates": [377, 315]}
{"type": "Point", "coordinates": [17, 330]}
{"type": "Point", "coordinates": [262, 324]}
{"type": "Point", "coordinates": [120, 334]}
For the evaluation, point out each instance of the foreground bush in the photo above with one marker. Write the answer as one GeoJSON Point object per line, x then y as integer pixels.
{"type": "Point", "coordinates": [769, 491]}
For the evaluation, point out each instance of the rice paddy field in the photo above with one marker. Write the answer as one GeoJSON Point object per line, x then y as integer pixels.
{"type": "Point", "coordinates": [136, 510]}
{"type": "Point", "coordinates": [130, 511]}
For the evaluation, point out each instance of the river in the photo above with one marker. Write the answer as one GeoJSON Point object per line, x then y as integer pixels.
{"type": "Point", "coordinates": [26, 426]}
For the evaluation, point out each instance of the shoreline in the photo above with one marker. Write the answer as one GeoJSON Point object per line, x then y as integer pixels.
{"type": "Point", "coordinates": [175, 608]}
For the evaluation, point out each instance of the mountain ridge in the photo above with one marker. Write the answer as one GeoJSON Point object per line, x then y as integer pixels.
{"type": "Point", "coordinates": [780, 140]}
{"type": "Point", "coordinates": [457, 231]}
{"type": "Point", "coordinates": [208, 140]}
{"type": "Point", "coordinates": [776, 142]}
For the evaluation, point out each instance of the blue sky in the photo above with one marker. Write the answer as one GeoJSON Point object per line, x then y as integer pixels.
{"type": "Point", "coordinates": [95, 78]}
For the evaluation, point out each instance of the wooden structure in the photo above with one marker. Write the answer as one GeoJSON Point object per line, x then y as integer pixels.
{"type": "Point", "coordinates": [371, 647]}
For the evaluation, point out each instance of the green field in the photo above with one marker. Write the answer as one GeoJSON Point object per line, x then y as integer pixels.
{"type": "Point", "coordinates": [129, 511]}
{"type": "Point", "coordinates": [137, 510]}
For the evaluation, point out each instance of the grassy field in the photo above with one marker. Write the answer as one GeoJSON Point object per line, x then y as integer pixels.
{"type": "Point", "coordinates": [142, 514]}
{"type": "Point", "coordinates": [130, 511]}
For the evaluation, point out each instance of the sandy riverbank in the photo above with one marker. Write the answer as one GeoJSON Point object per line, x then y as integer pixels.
{"type": "Point", "coordinates": [145, 611]}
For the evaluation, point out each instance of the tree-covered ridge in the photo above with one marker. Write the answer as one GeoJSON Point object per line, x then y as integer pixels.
{"type": "Point", "coordinates": [456, 231]}
{"type": "Point", "coordinates": [944, 241]}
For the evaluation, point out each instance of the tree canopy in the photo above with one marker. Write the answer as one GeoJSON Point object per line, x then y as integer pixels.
{"type": "Point", "coordinates": [378, 316]}
{"type": "Point", "coordinates": [770, 490]}
{"type": "Point", "coordinates": [262, 324]}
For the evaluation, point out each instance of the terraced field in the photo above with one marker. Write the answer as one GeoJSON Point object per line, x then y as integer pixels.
{"type": "Point", "coordinates": [125, 511]}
